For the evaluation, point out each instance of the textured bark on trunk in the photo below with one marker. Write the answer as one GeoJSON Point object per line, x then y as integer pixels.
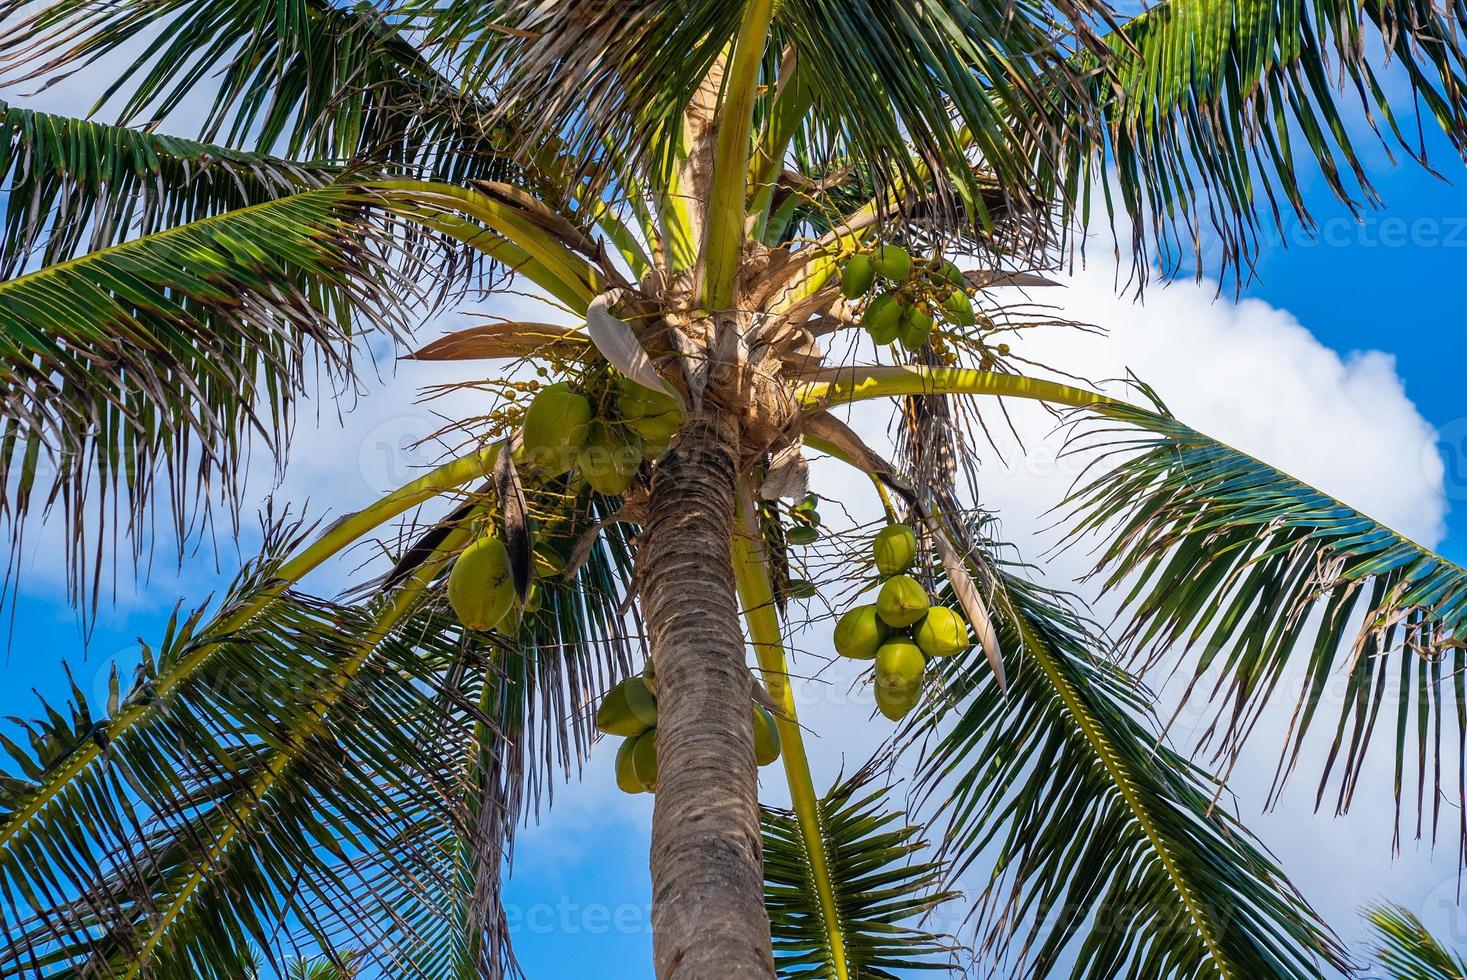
{"type": "Point", "coordinates": [708, 913]}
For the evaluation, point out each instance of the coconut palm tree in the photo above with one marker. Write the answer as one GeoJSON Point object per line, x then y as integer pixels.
{"type": "Point", "coordinates": [717, 197]}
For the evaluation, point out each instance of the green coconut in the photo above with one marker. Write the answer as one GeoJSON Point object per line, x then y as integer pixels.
{"type": "Point", "coordinates": [802, 535]}
{"type": "Point", "coordinates": [858, 275]}
{"type": "Point", "coordinates": [626, 773]}
{"type": "Point", "coordinates": [798, 588]}
{"type": "Point", "coordinates": [860, 633]}
{"type": "Point", "coordinates": [949, 272]}
{"type": "Point", "coordinates": [556, 427]}
{"type": "Point", "coordinates": [657, 429]}
{"type": "Point", "coordinates": [644, 760]}
{"type": "Point", "coordinates": [883, 318]}
{"type": "Point", "coordinates": [480, 588]}
{"type": "Point", "coordinates": [628, 709]}
{"type": "Point", "coordinates": [655, 416]}
{"type": "Point", "coordinates": [892, 262]}
{"type": "Point", "coordinates": [635, 401]}
{"type": "Point", "coordinates": [894, 548]}
{"type": "Point", "coordinates": [902, 601]}
{"type": "Point", "coordinates": [899, 665]}
{"type": "Point", "coordinates": [942, 632]}
{"type": "Point", "coordinates": [896, 704]}
{"type": "Point", "coordinates": [766, 736]}
{"type": "Point", "coordinates": [959, 308]}
{"type": "Point", "coordinates": [609, 461]}
{"type": "Point", "coordinates": [914, 328]}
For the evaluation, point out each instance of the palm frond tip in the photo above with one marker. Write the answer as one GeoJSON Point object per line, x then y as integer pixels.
{"type": "Point", "coordinates": [1215, 551]}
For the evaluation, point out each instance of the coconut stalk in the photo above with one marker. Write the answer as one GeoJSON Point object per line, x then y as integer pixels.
{"type": "Point", "coordinates": [751, 569]}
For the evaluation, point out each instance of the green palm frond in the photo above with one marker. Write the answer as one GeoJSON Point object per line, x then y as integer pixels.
{"type": "Point", "coordinates": [943, 88]}
{"type": "Point", "coordinates": [883, 79]}
{"type": "Point", "coordinates": [879, 888]}
{"type": "Point", "coordinates": [322, 968]}
{"type": "Point", "coordinates": [1217, 552]}
{"type": "Point", "coordinates": [151, 361]}
{"type": "Point", "coordinates": [368, 805]}
{"type": "Point", "coordinates": [1205, 99]}
{"type": "Point", "coordinates": [305, 78]}
{"type": "Point", "coordinates": [226, 809]}
{"type": "Point", "coordinates": [533, 689]}
{"type": "Point", "coordinates": [1407, 951]}
{"type": "Point", "coordinates": [1108, 849]}
{"type": "Point", "coordinates": [73, 185]}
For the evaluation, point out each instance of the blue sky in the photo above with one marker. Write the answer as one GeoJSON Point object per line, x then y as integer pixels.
{"type": "Point", "coordinates": [1392, 285]}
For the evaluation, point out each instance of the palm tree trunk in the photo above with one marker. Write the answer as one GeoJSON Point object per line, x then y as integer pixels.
{"type": "Point", "coordinates": [708, 913]}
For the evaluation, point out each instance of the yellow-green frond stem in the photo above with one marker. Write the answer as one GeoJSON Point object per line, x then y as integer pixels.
{"type": "Point", "coordinates": [335, 539]}
{"type": "Point", "coordinates": [393, 610]}
{"type": "Point", "coordinates": [839, 386]}
{"type": "Point", "coordinates": [756, 594]}
{"type": "Point", "coordinates": [724, 238]}
{"type": "Point", "coordinates": [886, 504]}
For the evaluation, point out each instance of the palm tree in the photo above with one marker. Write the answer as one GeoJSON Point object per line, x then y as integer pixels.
{"type": "Point", "coordinates": [706, 191]}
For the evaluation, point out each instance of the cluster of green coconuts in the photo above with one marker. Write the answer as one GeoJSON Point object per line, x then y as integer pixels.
{"type": "Point", "coordinates": [912, 294]}
{"type": "Point", "coordinates": [629, 711]}
{"type": "Point", "coordinates": [902, 628]}
{"type": "Point", "coordinates": [562, 434]}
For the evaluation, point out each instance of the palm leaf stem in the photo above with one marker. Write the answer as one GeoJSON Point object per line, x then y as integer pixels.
{"type": "Point", "coordinates": [751, 573]}
{"type": "Point", "coordinates": [724, 235]}
{"type": "Point", "coordinates": [787, 112]}
{"type": "Point", "coordinates": [842, 385]}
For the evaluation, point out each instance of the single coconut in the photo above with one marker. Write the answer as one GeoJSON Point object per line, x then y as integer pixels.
{"type": "Point", "coordinates": [860, 633]}
{"type": "Point", "coordinates": [894, 548]}
{"type": "Point", "coordinates": [899, 665]}
{"type": "Point", "coordinates": [644, 760]}
{"type": "Point", "coordinates": [959, 308]}
{"type": "Point", "coordinates": [858, 275]}
{"type": "Point", "coordinates": [556, 427]}
{"type": "Point", "coordinates": [902, 601]}
{"type": "Point", "coordinates": [626, 773]}
{"type": "Point", "coordinates": [949, 272]}
{"type": "Point", "coordinates": [883, 318]}
{"type": "Point", "coordinates": [802, 535]}
{"type": "Point", "coordinates": [628, 709]}
{"type": "Point", "coordinates": [942, 632]}
{"type": "Point", "coordinates": [766, 736]}
{"type": "Point", "coordinates": [609, 462]}
{"type": "Point", "coordinates": [915, 327]}
{"type": "Point", "coordinates": [896, 704]}
{"type": "Point", "coordinates": [480, 588]}
{"type": "Point", "coordinates": [892, 262]}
